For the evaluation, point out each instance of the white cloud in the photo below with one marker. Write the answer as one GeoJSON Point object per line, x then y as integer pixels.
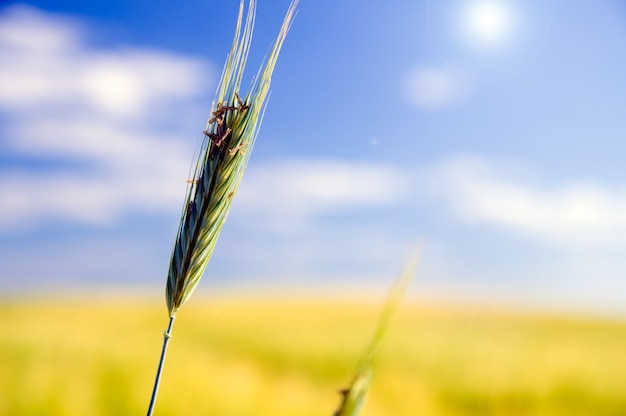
{"type": "Point", "coordinates": [135, 173]}
{"type": "Point", "coordinates": [26, 29]}
{"type": "Point", "coordinates": [46, 63]}
{"type": "Point", "coordinates": [436, 88]}
{"type": "Point", "coordinates": [291, 193]}
{"type": "Point", "coordinates": [581, 212]}
{"type": "Point", "coordinates": [96, 115]}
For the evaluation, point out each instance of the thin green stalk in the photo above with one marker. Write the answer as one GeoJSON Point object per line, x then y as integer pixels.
{"type": "Point", "coordinates": [166, 340]}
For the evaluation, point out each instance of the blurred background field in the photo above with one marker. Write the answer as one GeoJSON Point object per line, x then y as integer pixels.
{"type": "Point", "coordinates": [242, 356]}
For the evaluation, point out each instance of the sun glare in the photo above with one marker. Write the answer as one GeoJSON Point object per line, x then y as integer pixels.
{"type": "Point", "coordinates": [488, 23]}
{"type": "Point", "coordinates": [488, 39]}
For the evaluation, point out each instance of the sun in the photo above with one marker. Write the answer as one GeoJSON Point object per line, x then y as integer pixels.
{"type": "Point", "coordinates": [488, 23]}
{"type": "Point", "coordinates": [487, 39]}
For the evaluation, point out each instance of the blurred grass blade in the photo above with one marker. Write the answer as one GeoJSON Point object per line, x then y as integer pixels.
{"type": "Point", "coordinates": [353, 397]}
{"type": "Point", "coordinates": [228, 140]}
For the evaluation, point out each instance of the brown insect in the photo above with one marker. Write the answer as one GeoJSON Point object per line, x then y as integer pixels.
{"type": "Point", "coordinates": [220, 113]}
{"type": "Point", "coordinates": [216, 139]}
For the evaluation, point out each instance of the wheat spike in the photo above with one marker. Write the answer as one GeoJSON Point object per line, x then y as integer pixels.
{"type": "Point", "coordinates": [226, 146]}
{"type": "Point", "coordinates": [228, 140]}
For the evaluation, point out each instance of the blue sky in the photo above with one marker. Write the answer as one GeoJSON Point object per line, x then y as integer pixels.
{"type": "Point", "coordinates": [493, 130]}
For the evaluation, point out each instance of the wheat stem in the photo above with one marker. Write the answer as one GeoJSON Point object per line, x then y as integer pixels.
{"type": "Point", "coordinates": [157, 380]}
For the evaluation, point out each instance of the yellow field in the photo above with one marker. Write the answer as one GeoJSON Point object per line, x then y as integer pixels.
{"type": "Point", "coordinates": [242, 357]}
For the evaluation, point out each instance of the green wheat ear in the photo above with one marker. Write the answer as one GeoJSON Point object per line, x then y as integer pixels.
{"type": "Point", "coordinates": [228, 140]}
{"type": "Point", "coordinates": [353, 397]}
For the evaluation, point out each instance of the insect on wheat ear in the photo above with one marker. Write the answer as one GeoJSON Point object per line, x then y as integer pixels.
{"type": "Point", "coordinates": [218, 139]}
{"type": "Point", "coordinates": [220, 114]}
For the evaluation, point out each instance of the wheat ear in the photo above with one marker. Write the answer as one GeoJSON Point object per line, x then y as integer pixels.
{"type": "Point", "coordinates": [353, 397]}
{"type": "Point", "coordinates": [228, 139]}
